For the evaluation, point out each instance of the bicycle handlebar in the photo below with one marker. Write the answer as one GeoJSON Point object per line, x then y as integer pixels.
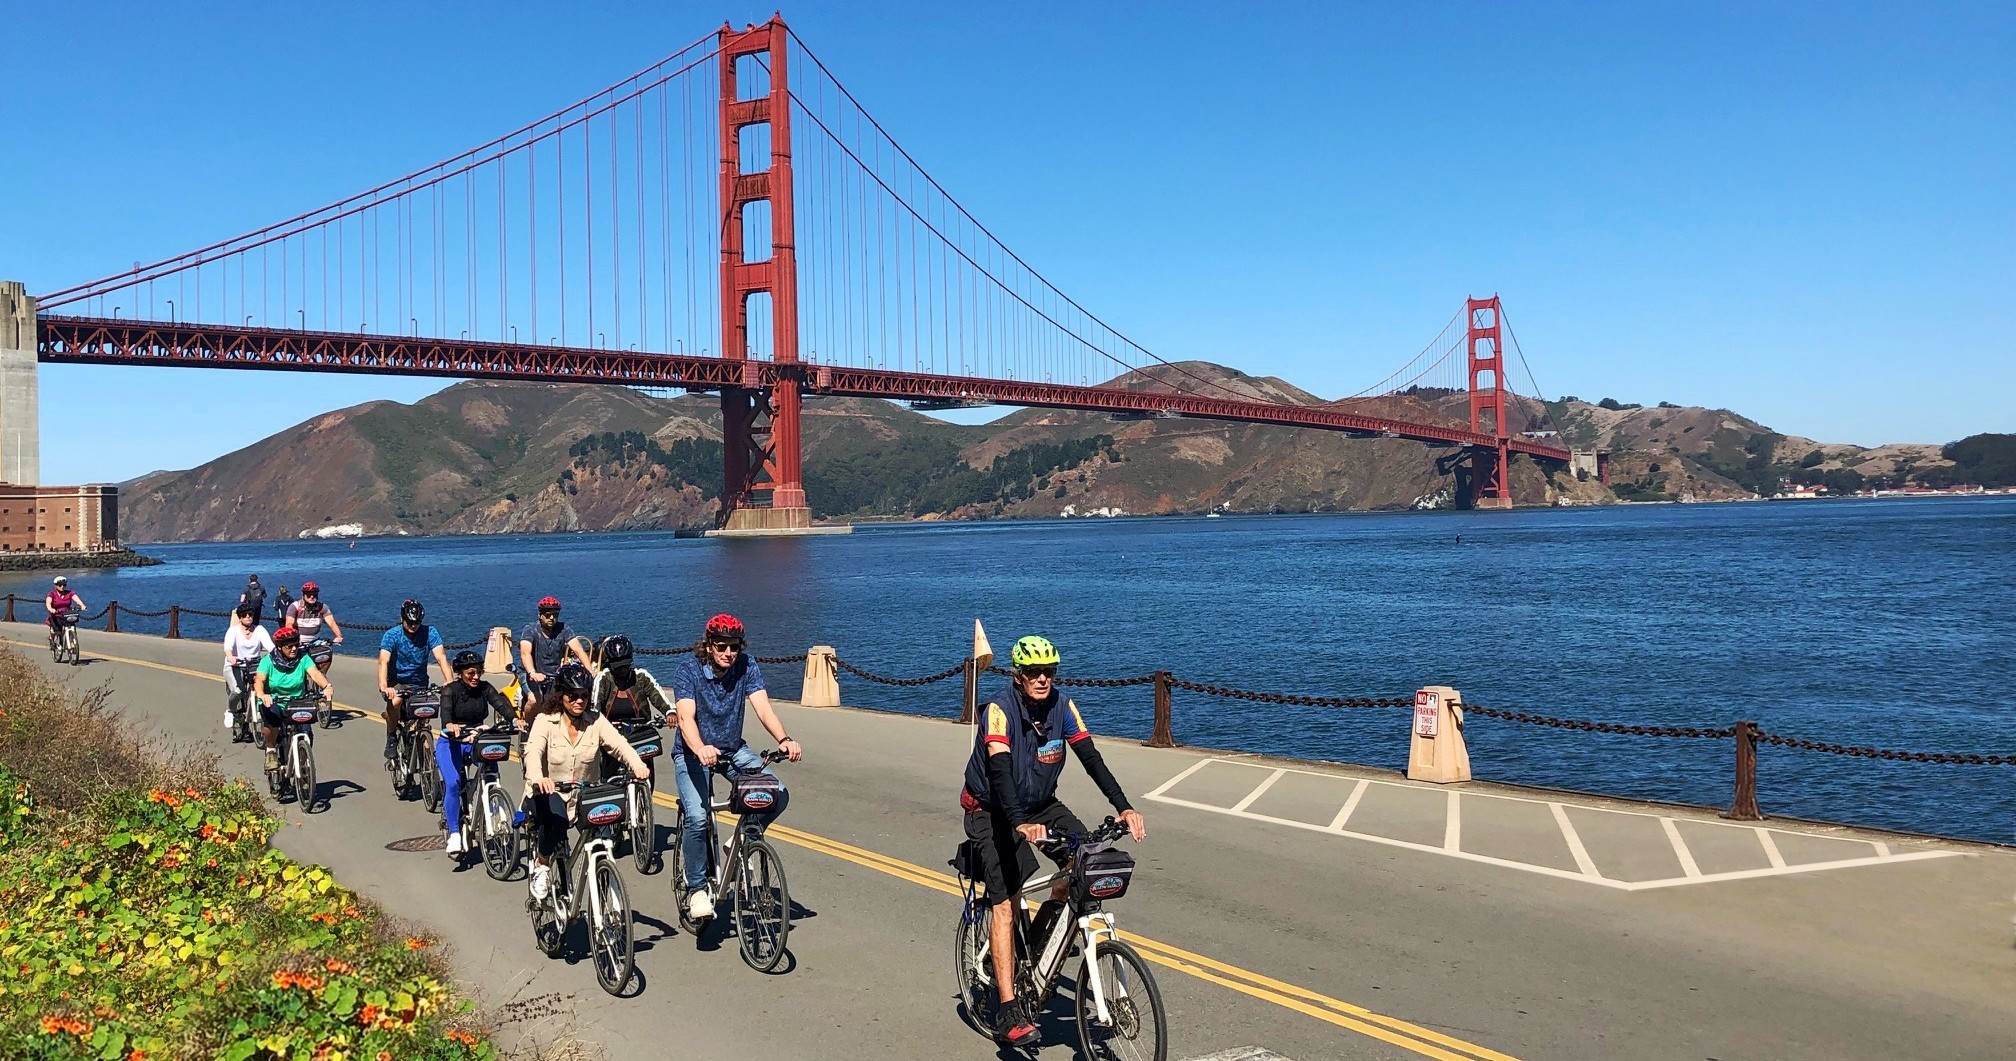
{"type": "Point", "coordinates": [725, 765]}
{"type": "Point", "coordinates": [1110, 829]}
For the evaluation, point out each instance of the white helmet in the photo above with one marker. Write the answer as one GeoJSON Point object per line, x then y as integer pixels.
{"type": "Point", "coordinates": [62, 581]}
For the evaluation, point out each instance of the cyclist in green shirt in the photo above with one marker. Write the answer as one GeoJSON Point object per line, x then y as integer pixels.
{"type": "Point", "coordinates": [286, 673]}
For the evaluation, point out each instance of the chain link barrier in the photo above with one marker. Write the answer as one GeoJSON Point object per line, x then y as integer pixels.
{"type": "Point", "coordinates": [1291, 698]}
{"type": "Point", "coordinates": [949, 672]}
{"type": "Point", "coordinates": [1947, 758]}
{"type": "Point", "coordinates": [1592, 726]}
{"type": "Point", "coordinates": [125, 611]}
{"type": "Point", "coordinates": [1087, 683]}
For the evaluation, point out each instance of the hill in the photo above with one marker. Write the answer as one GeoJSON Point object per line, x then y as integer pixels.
{"type": "Point", "coordinates": [488, 457]}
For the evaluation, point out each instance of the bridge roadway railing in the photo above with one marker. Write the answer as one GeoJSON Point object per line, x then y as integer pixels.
{"type": "Point", "coordinates": [1744, 735]}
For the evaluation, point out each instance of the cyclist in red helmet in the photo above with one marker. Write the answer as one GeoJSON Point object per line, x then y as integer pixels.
{"type": "Point", "coordinates": [544, 644]}
{"type": "Point", "coordinates": [709, 691]}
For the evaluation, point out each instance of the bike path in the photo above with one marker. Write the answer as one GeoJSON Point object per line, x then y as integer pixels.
{"type": "Point", "coordinates": [1310, 945]}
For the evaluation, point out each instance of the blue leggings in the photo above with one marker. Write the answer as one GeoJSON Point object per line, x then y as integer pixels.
{"type": "Point", "coordinates": [450, 755]}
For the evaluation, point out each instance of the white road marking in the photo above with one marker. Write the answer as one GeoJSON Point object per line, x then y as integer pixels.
{"type": "Point", "coordinates": [1687, 865]}
{"type": "Point", "coordinates": [1259, 790]}
{"type": "Point", "coordinates": [1771, 851]}
{"type": "Point", "coordinates": [1452, 825]}
{"type": "Point", "coordinates": [1179, 778]}
{"type": "Point", "coordinates": [1582, 860]}
{"type": "Point", "coordinates": [1351, 804]}
{"type": "Point", "coordinates": [1242, 1053]}
{"type": "Point", "coordinates": [1586, 871]}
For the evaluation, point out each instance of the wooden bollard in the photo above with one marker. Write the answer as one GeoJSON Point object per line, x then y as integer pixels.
{"type": "Point", "coordinates": [10, 608]}
{"type": "Point", "coordinates": [1436, 750]}
{"type": "Point", "coordinates": [1743, 803]}
{"type": "Point", "coordinates": [112, 617]}
{"type": "Point", "coordinates": [822, 678]}
{"type": "Point", "coordinates": [175, 620]}
{"type": "Point", "coordinates": [969, 700]}
{"type": "Point", "coordinates": [1164, 735]}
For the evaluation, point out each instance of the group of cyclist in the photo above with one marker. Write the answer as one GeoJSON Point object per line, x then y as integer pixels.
{"type": "Point", "coordinates": [578, 694]}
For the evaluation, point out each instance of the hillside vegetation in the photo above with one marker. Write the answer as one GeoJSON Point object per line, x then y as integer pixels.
{"type": "Point", "coordinates": [492, 457]}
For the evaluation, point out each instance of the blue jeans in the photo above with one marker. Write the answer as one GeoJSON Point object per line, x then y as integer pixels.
{"type": "Point", "coordinates": [694, 782]}
{"type": "Point", "coordinates": [450, 755]}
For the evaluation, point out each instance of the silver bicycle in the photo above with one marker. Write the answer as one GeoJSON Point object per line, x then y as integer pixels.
{"type": "Point", "coordinates": [743, 871]}
{"type": "Point", "coordinates": [593, 892]}
{"type": "Point", "coordinates": [1119, 1008]}
{"type": "Point", "coordinates": [63, 638]}
{"type": "Point", "coordinates": [487, 809]}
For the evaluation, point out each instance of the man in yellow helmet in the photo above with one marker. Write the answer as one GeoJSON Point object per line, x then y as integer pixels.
{"type": "Point", "coordinates": [1011, 796]}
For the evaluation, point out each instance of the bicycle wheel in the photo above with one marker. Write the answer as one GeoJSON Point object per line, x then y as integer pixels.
{"type": "Point", "coordinates": [610, 937]}
{"type": "Point", "coordinates": [644, 831]}
{"type": "Point", "coordinates": [304, 776]}
{"type": "Point", "coordinates": [1136, 1028]}
{"type": "Point", "coordinates": [972, 966]}
{"type": "Point", "coordinates": [432, 788]}
{"type": "Point", "coordinates": [762, 906]}
{"type": "Point", "coordinates": [500, 840]}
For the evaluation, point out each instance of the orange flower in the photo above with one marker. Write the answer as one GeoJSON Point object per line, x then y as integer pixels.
{"type": "Point", "coordinates": [192, 793]}
{"type": "Point", "coordinates": [137, 1055]}
{"type": "Point", "coordinates": [415, 942]}
{"type": "Point", "coordinates": [460, 1036]}
{"type": "Point", "coordinates": [384, 1055]}
{"type": "Point", "coordinates": [339, 967]}
{"type": "Point", "coordinates": [369, 1016]}
{"type": "Point", "coordinates": [323, 919]}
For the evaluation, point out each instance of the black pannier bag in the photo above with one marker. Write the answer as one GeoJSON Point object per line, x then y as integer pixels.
{"type": "Point", "coordinates": [321, 651]}
{"type": "Point", "coordinates": [966, 861]}
{"type": "Point", "coordinates": [598, 805]}
{"type": "Point", "coordinates": [1103, 874]}
{"type": "Point", "coordinates": [646, 741]}
{"type": "Point", "coordinates": [754, 793]}
{"type": "Point", "coordinates": [301, 712]}
{"type": "Point", "coordinates": [423, 704]}
{"type": "Point", "coordinates": [493, 747]}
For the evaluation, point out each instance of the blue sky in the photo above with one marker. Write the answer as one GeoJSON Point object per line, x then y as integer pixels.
{"type": "Point", "coordinates": [1806, 214]}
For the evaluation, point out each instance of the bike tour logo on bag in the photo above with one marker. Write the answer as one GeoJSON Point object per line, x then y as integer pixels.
{"type": "Point", "coordinates": [302, 715]}
{"type": "Point", "coordinates": [1106, 887]}
{"type": "Point", "coordinates": [1050, 752]}
{"type": "Point", "coordinates": [758, 798]}
{"type": "Point", "coordinates": [605, 814]}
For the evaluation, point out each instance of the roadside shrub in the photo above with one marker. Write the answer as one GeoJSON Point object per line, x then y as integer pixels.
{"type": "Point", "coordinates": [141, 919]}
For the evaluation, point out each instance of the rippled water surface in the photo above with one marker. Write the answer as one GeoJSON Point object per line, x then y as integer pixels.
{"type": "Point", "coordinates": [1863, 622]}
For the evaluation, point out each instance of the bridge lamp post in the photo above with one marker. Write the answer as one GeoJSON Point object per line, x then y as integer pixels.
{"type": "Point", "coordinates": [602, 340]}
{"type": "Point", "coordinates": [304, 318]}
{"type": "Point", "coordinates": [416, 326]}
{"type": "Point", "coordinates": [514, 335]}
{"type": "Point", "coordinates": [115, 313]}
{"type": "Point", "coordinates": [171, 309]}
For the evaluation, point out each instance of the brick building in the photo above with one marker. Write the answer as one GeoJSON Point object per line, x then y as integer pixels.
{"type": "Point", "coordinates": [59, 519]}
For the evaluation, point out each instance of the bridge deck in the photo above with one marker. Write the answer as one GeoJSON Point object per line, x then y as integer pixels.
{"type": "Point", "coordinates": [1306, 911]}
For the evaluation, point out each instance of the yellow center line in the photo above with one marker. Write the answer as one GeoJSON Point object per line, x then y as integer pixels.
{"type": "Point", "coordinates": [1409, 1036]}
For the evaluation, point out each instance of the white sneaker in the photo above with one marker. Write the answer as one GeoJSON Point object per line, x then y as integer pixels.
{"type": "Point", "coordinates": [541, 882]}
{"type": "Point", "coordinates": [455, 844]}
{"type": "Point", "coordinates": [227, 720]}
{"type": "Point", "coordinates": [700, 905]}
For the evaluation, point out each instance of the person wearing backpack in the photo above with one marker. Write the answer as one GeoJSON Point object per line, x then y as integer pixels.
{"type": "Point", "coordinates": [281, 601]}
{"type": "Point", "coordinates": [254, 596]}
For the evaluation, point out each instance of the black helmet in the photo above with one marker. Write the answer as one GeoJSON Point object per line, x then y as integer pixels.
{"type": "Point", "coordinates": [466, 659]}
{"type": "Point", "coordinates": [617, 650]}
{"type": "Point", "coordinates": [412, 612]}
{"type": "Point", "coordinates": [572, 677]}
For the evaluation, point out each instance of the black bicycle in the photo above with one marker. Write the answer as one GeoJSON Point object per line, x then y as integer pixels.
{"type": "Point", "coordinates": [296, 769]}
{"type": "Point", "coordinates": [745, 873]}
{"type": "Point", "coordinates": [323, 653]}
{"type": "Point", "coordinates": [412, 764]}
{"type": "Point", "coordinates": [239, 704]}
{"type": "Point", "coordinates": [1119, 1008]}
{"type": "Point", "coordinates": [642, 828]}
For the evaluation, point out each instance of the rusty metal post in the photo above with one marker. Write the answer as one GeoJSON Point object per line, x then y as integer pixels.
{"type": "Point", "coordinates": [175, 621]}
{"type": "Point", "coordinates": [10, 607]}
{"type": "Point", "coordinates": [112, 617]}
{"type": "Point", "coordinates": [1743, 805]}
{"type": "Point", "coordinates": [969, 707]}
{"type": "Point", "coordinates": [1163, 737]}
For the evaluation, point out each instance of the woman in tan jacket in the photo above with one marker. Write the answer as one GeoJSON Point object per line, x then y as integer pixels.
{"type": "Point", "coordinates": [565, 744]}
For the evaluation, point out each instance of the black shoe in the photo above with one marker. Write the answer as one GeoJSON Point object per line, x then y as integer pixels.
{"type": "Point", "coordinates": [1013, 1026]}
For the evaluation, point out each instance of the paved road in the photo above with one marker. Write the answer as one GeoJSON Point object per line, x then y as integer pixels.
{"type": "Point", "coordinates": [1270, 930]}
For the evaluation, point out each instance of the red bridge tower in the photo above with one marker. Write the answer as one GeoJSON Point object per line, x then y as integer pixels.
{"type": "Point", "coordinates": [762, 484]}
{"type": "Point", "coordinates": [1489, 485]}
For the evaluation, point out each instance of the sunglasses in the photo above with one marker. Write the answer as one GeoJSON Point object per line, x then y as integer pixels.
{"type": "Point", "coordinates": [1039, 672]}
{"type": "Point", "coordinates": [725, 646]}
{"type": "Point", "coordinates": [549, 612]}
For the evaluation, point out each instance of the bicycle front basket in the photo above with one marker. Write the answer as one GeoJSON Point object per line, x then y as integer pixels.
{"type": "Point", "coordinates": [754, 793]}
{"type": "Point", "coordinates": [301, 712]}
{"type": "Point", "coordinates": [645, 741]}
{"type": "Point", "coordinates": [493, 747]}
{"type": "Point", "coordinates": [1102, 874]}
{"type": "Point", "coordinates": [321, 651]}
{"type": "Point", "coordinates": [599, 805]}
{"type": "Point", "coordinates": [423, 704]}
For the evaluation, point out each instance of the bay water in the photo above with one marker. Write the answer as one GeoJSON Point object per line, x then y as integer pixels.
{"type": "Point", "coordinates": [1863, 622]}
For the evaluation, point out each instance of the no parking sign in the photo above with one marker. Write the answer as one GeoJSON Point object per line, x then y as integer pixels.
{"type": "Point", "coordinates": [1427, 713]}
